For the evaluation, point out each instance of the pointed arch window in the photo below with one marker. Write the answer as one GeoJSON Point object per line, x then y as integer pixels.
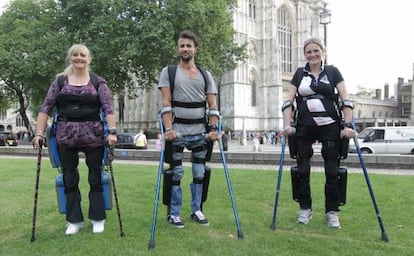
{"type": "Point", "coordinates": [284, 38]}
{"type": "Point", "coordinates": [252, 9]}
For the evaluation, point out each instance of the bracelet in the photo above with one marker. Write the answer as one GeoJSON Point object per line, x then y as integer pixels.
{"type": "Point", "coordinates": [168, 129]}
{"type": "Point", "coordinates": [348, 125]}
{"type": "Point", "coordinates": [39, 135]}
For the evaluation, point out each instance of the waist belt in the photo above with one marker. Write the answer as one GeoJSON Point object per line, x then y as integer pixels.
{"type": "Point", "coordinates": [79, 119]}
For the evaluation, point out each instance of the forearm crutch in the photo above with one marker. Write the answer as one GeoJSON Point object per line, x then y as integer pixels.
{"type": "Point", "coordinates": [36, 195]}
{"type": "Point", "coordinates": [226, 171]}
{"type": "Point", "coordinates": [110, 156]}
{"type": "Point", "coordinates": [384, 235]}
{"type": "Point", "coordinates": [279, 180]}
{"type": "Point", "coordinates": [151, 243]}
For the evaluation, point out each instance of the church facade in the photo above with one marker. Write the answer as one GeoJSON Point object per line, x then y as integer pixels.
{"type": "Point", "coordinates": [250, 96]}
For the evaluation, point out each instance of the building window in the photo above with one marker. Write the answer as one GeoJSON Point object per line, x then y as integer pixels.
{"type": "Point", "coordinates": [373, 113]}
{"type": "Point", "coordinates": [406, 111]}
{"type": "Point", "coordinates": [406, 98]}
{"type": "Point", "coordinates": [284, 37]}
{"type": "Point", "coordinates": [252, 9]}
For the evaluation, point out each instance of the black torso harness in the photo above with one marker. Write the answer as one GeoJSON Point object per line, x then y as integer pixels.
{"type": "Point", "coordinates": [78, 108]}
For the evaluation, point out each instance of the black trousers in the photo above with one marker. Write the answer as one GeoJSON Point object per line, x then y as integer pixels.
{"type": "Point", "coordinates": [329, 135]}
{"type": "Point", "coordinates": [69, 158]}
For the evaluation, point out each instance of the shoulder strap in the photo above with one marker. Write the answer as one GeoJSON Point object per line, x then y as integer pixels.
{"type": "Point", "coordinates": [94, 78]}
{"type": "Point", "coordinates": [329, 72]}
{"type": "Point", "coordinates": [172, 70]}
{"type": "Point", "coordinates": [205, 76]}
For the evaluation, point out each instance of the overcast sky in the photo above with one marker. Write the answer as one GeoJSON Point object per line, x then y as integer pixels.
{"type": "Point", "coordinates": [371, 42]}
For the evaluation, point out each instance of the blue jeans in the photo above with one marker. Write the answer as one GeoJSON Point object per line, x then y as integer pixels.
{"type": "Point", "coordinates": [190, 142]}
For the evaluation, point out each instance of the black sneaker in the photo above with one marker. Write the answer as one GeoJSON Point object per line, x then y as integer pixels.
{"type": "Point", "coordinates": [175, 221]}
{"type": "Point", "coordinates": [199, 217]}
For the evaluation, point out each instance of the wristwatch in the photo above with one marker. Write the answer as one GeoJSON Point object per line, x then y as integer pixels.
{"type": "Point", "coordinates": [213, 127]}
{"type": "Point", "coordinates": [348, 125]}
{"type": "Point", "coordinates": [113, 131]}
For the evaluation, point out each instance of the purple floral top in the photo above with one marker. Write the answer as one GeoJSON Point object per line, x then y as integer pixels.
{"type": "Point", "coordinates": [79, 134]}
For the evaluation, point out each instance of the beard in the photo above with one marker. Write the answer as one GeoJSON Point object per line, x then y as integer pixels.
{"type": "Point", "coordinates": [186, 58]}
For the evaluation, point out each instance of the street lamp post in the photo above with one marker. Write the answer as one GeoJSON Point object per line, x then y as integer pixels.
{"type": "Point", "coordinates": [325, 19]}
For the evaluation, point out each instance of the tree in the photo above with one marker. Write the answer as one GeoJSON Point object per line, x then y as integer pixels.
{"type": "Point", "coordinates": [29, 52]}
{"type": "Point", "coordinates": [365, 92]}
{"type": "Point", "coordinates": [130, 40]}
{"type": "Point", "coordinates": [134, 39]}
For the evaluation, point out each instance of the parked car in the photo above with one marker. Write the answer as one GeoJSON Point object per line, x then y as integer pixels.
{"type": "Point", "coordinates": [8, 138]}
{"type": "Point", "coordinates": [125, 141]}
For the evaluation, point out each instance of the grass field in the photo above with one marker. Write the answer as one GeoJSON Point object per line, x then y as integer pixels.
{"type": "Point", "coordinates": [254, 192]}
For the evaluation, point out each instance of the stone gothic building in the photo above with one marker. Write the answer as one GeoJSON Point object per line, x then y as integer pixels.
{"type": "Point", "coordinates": [250, 96]}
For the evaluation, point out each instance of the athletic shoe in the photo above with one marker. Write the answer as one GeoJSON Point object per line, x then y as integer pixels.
{"type": "Point", "coordinates": [332, 219]}
{"type": "Point", "coordinates": [73, 228]}
{"type": "Point", "coordinates": [98, 226]}
{"type": "Point", "coordinates": [199, 217]}
{"type": "Point", "coordinates": [175, 221]}
{"type": "Point", "coordinates": [304, 216]}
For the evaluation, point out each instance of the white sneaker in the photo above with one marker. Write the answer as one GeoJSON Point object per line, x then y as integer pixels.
{"type": "Point", "coordinates": [73, 228]}
{"type": "Point", "coordinates": [332, 219]}
{"type": "Point", "coordinates": [175, 221]}
{"type": "Point", "coordinates": [98, 226]}
{"type": "Point", "coordinates": [304, 216]}
{"type": "Point", "coordinates": [199, 217]}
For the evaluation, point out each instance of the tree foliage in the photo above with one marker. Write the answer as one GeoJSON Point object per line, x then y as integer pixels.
{"type": "Point", "coordinates": [365, 92]}
{"type": "Point", "coordinates": [130, 40]}
{"type": "Point", "coordinates": [28, 52]}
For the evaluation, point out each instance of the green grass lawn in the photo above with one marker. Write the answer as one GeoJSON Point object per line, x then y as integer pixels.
{"type": "Point", "coordinates": [254, 192]}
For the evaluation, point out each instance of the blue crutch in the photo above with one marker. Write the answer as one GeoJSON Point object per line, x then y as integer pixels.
{"type": "Point", "coordinates": [279, 180]}
{"type": "Point", "coordinates": [226, 171]}
{"type": "Point", "coordinates": [384, 235]}
{"type": "Point", "coordinates": [151, 244]}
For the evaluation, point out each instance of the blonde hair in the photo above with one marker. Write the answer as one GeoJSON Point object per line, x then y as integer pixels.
{"type": "Point", "coordinates": [76, 48]}
{"type": "Point", "coordinates": [314, 40]}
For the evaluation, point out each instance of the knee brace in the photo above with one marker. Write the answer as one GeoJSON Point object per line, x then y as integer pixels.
{"type": "Point", "coordinates": [294, 174]}
{"type": "Point", "coordinates": [209, 148]}
{"type": "Point", "coordinates": [293, 150]}
{"type": "Point", "coordinates": [342, 182]}
{"type": "Point", "coordinates": [206, 183]}
{"type": "Point", "coordinates": [167, 186]}
{"type": "Point", "coordinates": [344, 147]}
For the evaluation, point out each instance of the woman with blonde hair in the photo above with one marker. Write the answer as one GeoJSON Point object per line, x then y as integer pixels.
{"type": "Point", "coordinates": [318, 117]}
{"type": "Point", "coordinates": [79, 129]}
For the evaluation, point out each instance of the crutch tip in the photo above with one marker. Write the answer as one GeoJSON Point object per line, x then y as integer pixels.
{"type": "Point", "coordinates": [32, 239]}
{"type": "Point", "coordinates": [385, 237]}
{"type": "Point", "coordinates": [151, 245]}
{"type": "Point", "coordinates": [240, 234]}
{"type": "Point", "coordinates": [122, 234]}
{"type": "Point", "coordinates": [273, 226]}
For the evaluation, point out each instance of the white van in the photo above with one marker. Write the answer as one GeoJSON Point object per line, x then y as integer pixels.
{"type": "Point", "coordinates": [385, 140]}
